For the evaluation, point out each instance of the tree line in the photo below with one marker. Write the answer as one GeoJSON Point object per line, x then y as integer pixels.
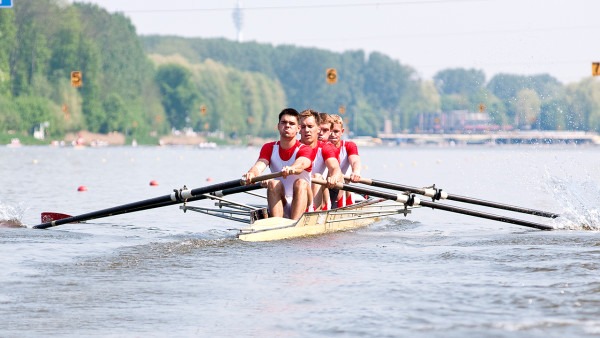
{"type": "Point", "coordinates": [145, 86]}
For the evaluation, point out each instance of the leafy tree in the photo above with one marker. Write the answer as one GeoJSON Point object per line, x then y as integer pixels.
{"type": "Point", "coordinates": [115, 112]}
{"type": "Point", "coordinates": [460, 89]}
{"type": "Point", "coordinates": [423, 98]}
{"type": "Point", "coordinates": [178, 93]}
{"type": "Point", "coordinates": [583, 111]}
{"type": "Point", "coordinates": [10, 119]}
{"type": "Point", "coordinates": [31, 53]}
{"type": "Point", "coordinates": [459, 81]}
{"type": "Point", "coordinates": [527, 108]}
{"type": "Point", "coordinates": [552, 115]}
{"type": "Point", "coordinates": [8, 42]}
{"type": "Point", "coordinates": [115, 62]}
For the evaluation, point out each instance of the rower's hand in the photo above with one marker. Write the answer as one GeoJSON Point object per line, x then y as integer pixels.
{"type": "Point", "coordinates": [286, 171]}
{"type": "Point", "coordinates": [247, 178]}
{"type": "Point", "coordinates": [332, 181]}
{"type": "Point", "coordinates": [354, 178]}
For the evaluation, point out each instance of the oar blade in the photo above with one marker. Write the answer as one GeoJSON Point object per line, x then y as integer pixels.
{"type": "Point", "coordinates": [53, 216]}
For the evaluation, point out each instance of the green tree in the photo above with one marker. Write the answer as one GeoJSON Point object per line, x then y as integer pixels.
{"type": "Point", "coordinates": [8, 42]}
{"type": "Point", "coordinates": [423, 98]}
{"type": "Point", "coordinates": [386, 82]}
{"type": "Point", "coordinates": [583, 111]}
{"type": "Point", "coordinates": [115, 63]}
{"type": "Point", "coordinates": [552, 115]}
{"type": "Point", "coordinates": [460, 89]}
{"type": "Point", "coordinates": [527, 108]}
{"type": "Point", "coordinates": [31, 54]}
{"type": "Point", "coordinates": [178, 93]}
{"type": "Point", "coordinates": [115, 113]}
{"type": "Point", "coordinates": [507, 87]}
{"type": "Point", "coordinates": [459, 81]}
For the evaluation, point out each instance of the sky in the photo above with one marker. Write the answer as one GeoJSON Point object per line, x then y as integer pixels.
{"type": "Point", "coordinates": [524, 37]}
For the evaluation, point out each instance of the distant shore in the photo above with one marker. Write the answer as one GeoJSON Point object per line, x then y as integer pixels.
{"type": "Point", "coordinates": [85, 138]}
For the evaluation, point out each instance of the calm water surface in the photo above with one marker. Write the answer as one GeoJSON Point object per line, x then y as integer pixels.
{"type": "Point", "coordinates": [163, 272]}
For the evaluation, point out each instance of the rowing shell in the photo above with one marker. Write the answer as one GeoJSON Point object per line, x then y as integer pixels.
{"type": "Point", "coordinates": [350, 217]}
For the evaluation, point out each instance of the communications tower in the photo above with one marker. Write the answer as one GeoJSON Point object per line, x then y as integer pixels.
{"type": "Point", "coordinates": [238, 20]}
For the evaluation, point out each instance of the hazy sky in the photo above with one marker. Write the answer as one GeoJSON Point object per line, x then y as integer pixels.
{"type": "Point", "coordinates": [558, 37]}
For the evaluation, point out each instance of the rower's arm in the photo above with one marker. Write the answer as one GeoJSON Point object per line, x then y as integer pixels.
{"type": "Point", "coordinates": [356, 166]}
{"type": "Point", "coordinates": [300, 164]}
{"type": "Point", "coordinates": [256, 169]}
{"type": "Point", "coordinates": [335, 172]}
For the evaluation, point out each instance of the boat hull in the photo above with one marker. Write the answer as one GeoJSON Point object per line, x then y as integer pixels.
{"type": "Point", "coordinates": [321, 222]}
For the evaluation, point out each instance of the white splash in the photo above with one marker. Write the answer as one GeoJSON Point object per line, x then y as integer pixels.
{"type": "Point", "coordinates": [580, 202]}
{"type": "Point", "coordinates": [11, 216]}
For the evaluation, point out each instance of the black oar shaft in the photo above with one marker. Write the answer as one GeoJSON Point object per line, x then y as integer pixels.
{"type": "Point", "coordinates": [458, 198]}
{"type": "Point", "coordinates": [224, 192]}
{"type": "Point", "coordinates": [156, 202]}
{"type": "Point", "coordinates": [503, 206]}
{"type": "Point", "coordinates": [485, 215]}
{"type": "Point", "coordinates": [406, 199]}
{"type": "Point", "coordinates": [106, 212]}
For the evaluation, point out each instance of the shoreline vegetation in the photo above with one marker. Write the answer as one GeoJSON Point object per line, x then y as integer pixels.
{"type": "Point", "coordinates": [85, 138]}
{"type": "Point", "coordinates": [87, 69]}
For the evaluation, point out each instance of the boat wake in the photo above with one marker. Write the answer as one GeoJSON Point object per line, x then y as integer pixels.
{"type": "Point", "coordinates": [580, 203]}
{"type": "Point", "coordinates": [10, 217]}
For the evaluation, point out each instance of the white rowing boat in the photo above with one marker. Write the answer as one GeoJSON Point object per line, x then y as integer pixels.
{"type": "Point", "coordinates": [314, 223]}
{"type": "Point", "coordinates": [351, 217]}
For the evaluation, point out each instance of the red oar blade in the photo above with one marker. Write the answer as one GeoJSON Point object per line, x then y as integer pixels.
{"type": "Point", "coordinates": [53, 216]}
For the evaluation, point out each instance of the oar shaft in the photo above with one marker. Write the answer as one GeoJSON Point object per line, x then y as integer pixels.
{"type": "Point", "coordinates": [106, 212]}
{"type": "Point", "coordinates": [431, 192]}
{"type": "Point", "coordinates": [403, 198]}
{"type": "Point", "coordinates": [485, 215]}
{"type": "Point", "coordinates": [503, 206]}
{"type": "Point", "coordinates": [173, 198]}
{"type": "Point", "coordinates": [224, 192]}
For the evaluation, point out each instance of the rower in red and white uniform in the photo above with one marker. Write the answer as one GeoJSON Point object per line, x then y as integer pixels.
{"type": "Point", "coordinates": [289, 195]}
{"type": "Point", "coordinates": [347, 152]}
{"type": "Point", "coordinates": [326, 152]}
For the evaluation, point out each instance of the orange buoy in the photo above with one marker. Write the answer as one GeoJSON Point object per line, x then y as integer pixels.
{"type": "Point", "coordinates": [82, 188]}
{"type": "Point", "coordinates": [153, 183]}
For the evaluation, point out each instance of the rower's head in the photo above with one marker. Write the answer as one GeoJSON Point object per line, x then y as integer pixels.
{"type": "Point", "coordinates": [337, 130]}
{"type": "Point", "coordinates": [325, 127]}
{"type": "Point", "coordinates": [309, 126]}
{"type": "Point", "coordinates": [289, 123]}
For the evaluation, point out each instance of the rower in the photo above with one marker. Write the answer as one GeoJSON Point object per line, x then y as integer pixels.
{"type": "Point", "coordinates": [347, 152]}
{"type": "Point", "coordinates": [320, 170]}
{"type": "Point", "coordinates": [325, 158]}
{"type": "Point", "coordinates": [287, 196]}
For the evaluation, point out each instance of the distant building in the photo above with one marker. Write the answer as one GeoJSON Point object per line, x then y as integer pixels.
{"type": "Point", "coordinates": [456, 121]}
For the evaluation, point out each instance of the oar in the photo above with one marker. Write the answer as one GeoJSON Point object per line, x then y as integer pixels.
{"type": "Point", "coordinates": [177, 196]}
{"type": "Point", "coordinates": [412, 200]}
{"type": "Point", "coordinates": [437, 194]}
{"type": "Point", "coordinates": [53, 216]}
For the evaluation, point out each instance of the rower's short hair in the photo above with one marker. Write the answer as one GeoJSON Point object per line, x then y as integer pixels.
{"type": "Point", "coordinates": [309, 112]}
{"type": "Point", "coordinates": [326, 118]}
{"type": "Point", "coordinates": [290, 111]}
{"type": "Point", "coordinates": [336, 119]}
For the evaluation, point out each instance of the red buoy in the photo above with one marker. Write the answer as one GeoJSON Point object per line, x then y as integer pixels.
{"type": "Point", "coordinates": [82, 188]}
{"type": "Point", "coordinates": [153, 183]}
{"type": "Point", "coordinates": [209, 179]}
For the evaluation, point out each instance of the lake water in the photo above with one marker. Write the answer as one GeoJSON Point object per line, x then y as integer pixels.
{"type": "Point", "coordinates": [163, 272]}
